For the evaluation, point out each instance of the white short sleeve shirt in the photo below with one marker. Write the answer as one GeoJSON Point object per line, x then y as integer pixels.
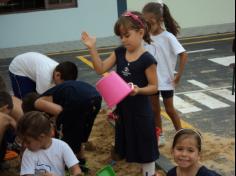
{"type": "Point", "coordinates": [165, 48]}
{"type": "Point", "coordinates": [38, 67]}
{"type": "Point", "coordinates": [52, 160]}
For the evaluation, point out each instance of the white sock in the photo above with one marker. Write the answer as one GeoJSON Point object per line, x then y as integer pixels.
{"type": "Point", "coordinates": [148, 169]}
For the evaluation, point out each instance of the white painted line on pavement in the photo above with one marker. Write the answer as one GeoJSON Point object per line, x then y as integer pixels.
{"type": "Point", "coordinates": [225, 61]}
{"type": "Point", "coordinates": [200, 51]}
{"type": "Point", "coordinates": [208, 71]}
{"type": "Point", "coordinates": [207, 100]}
{"type": "Point", "coordinates": [198, 84]}
{"type": "Point", "coordinates": [205, 90]}
{"type": "Point", "coordinates": [225, 93]}
{"type": "Point", "coordinates": [185, 107]}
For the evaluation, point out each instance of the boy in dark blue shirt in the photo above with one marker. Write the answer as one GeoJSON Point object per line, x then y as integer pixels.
{"type": "Point", "coordinates": [76, 105]}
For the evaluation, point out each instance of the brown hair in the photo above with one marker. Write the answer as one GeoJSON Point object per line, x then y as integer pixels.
{"type": "Point", "coordinates": [163, 11]}
{"type": "Point", "coordinates": [3, 86]}
{"type": "Point", "coordinates": [186, 133]}
{"type": "Point", "coordinates": [130, 23]}
{"type": "Point", "coordinates": [6, 100]}
{"type": "Point", "coordinates": [33, 124]}
{"type": "Point", "coordinates": [68, 70]}
{"type": "Point", "coordinates": [28, 102]}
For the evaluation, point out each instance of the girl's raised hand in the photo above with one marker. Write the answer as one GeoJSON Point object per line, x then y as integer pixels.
{"type": "Point", "coordinates": [88, 40]}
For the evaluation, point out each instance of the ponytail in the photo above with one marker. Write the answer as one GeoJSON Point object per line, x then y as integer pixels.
{"type": "Point", "coordinates": [170, 23]}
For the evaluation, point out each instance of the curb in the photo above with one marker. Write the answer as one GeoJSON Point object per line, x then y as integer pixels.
{"type": "Point", "coordinates": [164, 164]}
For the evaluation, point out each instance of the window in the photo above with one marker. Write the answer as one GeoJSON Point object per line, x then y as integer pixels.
{"type": "Point", "coordinates": [51, 4]}
{"type": "Point", "coordinates": [13, 6]}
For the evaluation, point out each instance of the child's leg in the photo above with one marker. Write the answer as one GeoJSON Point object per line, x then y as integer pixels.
{"type": "Point", "coordinates": [94, 109]}
{"type": "Point", "coordinates": [168, 99]}
{"type": "Point", "coordinates": [72, 124]}
{"type": "Point", "coordinates": [3, 143]}
{"type": "Point", "coordinates": [148, 169]}
{"type": "Point", "coordinates": [157, 110]}
{"type": "Point", "coordinates": [21, 85]}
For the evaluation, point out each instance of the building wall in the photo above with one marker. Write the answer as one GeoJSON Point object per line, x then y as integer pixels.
{"type": "Point", "coordinates": [198, 17]}
{"type": "Point", "coordinates": [40, 27]}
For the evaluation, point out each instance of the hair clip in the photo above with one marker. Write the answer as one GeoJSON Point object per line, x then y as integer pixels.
{"type": "Point", "coordinates": [134, 17]}
{"type": "Point", "coordinates": [160, 2]}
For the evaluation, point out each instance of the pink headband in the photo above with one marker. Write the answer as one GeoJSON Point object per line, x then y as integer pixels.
{"type": "Point", "coordinates": [134, 17]}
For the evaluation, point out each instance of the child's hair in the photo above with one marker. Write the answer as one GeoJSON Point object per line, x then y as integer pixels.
{"type": "Point", "coordinates": [6, 100]}
{"type": "Point", "coordinates": [68, 71]}
{"type": "Point", "coordinates": [3, 86]}
{"type": "Point", "coordinates": [185, 133]}
{"type": "Point", "coordinates": [133, 21]}
{"type": "Point", "coordinates": [33, 124]}
{"type": "Point", "coordinates": [28, 102]}
{"type": "Point", "coordinates": [160, 11]}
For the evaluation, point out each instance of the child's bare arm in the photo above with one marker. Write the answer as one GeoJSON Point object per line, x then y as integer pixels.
{"type": "Point", "coordinates": [5, 122]}
{"type": "Point", "coordinates": [183, 60]}
{"type": "Point", "coordinates": [49, 107]}
{"type": "Point", "coordinates": [17, 111]}
{"type": "Point", "coordinates": [152, 87]}
{"type": "Point", "coordinates": [99, 65]}
{"type": "Point", "coordinates": [75, 170]}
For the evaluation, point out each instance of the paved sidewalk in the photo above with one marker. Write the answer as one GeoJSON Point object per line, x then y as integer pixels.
{"type": "Point", "coordinates": [56, 47]}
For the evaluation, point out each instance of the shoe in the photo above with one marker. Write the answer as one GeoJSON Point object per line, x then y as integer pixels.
{"type": "Point", "coordinates": [161, 141]}
{"type": "Point", "coordinates": [10, 155]}
{"type": "Point", "coordinates": [115, 156]}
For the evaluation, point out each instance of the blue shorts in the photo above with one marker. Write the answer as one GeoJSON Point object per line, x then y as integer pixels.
{"type": "Point", "coordinates": [21, 85]}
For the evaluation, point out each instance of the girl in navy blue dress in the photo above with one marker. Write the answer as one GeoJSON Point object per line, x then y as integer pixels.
{"type": "Point", "coordinates": [135, 130]}
{"type": "Point", "coordinates": [186, 150]}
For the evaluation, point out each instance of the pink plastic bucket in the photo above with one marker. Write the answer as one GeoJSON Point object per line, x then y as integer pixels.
{"type": "Point", "coordinates": [113, 89]}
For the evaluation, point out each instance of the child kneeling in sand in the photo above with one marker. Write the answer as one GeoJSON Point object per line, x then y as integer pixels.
{"type": "Point", "coordinates": [44, 155]}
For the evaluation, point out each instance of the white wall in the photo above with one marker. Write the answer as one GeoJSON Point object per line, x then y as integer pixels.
{"type": "Point", "coordinates": [197, 13]}
{"type": "Point", "coordinates": [40, 27]}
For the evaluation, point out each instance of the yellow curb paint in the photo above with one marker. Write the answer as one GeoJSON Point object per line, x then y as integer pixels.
{"type": "Point", "coordinates": [208, 41]}
{"type": "Point", "coordinates": [89, 63]}
{"type": "Point", "coordinates": [183, 123]}
{"type": "Point", "coordinates": [181, 39]}
{"type": "Point", "coordinates": [206, 36]}
{"type": "Point", "coordinates": [163, 113]}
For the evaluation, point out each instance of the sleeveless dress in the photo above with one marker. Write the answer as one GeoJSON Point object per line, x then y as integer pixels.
{"type": "Point", "coordinates": [135, 129]}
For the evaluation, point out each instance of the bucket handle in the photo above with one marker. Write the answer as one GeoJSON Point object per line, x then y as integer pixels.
{"type": "Point", "coordinates": [131, 85]}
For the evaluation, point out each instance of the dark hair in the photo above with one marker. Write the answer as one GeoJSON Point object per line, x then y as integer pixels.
{"type": "Point", "coordinates": [130, 23]}
{"type": "Point", "coordinates": [163, 11]}
{"type": "Point", "coordinates": [28, 102]}
{"type": "Point", "coordinates": [68, 71]}
{"type": "Point", "coordinates": [33, 124]}
{"type": "Point", "coordinates": [185, 133]}
{"type": "Point", "coordinates": [6, 100]}
{"type": "Point", "coordinates": [3, 86]}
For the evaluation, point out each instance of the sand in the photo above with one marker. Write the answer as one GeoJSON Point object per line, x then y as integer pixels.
{"type": "Point", "coordinates": [218, 152]}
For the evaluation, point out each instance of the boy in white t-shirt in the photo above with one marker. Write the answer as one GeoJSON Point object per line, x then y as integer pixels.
{"type": "Point", "coordinates": [44, 156]}
{"type": "Point", "coordinates": [31, 72]}
{"type": "Point", "coordinates": [35, 72]}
